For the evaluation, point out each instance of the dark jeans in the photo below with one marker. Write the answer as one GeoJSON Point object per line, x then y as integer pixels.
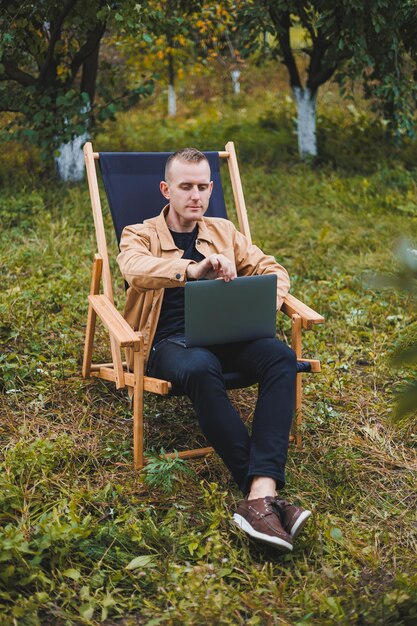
{"type": "Point", "coordinates": [199, 372]}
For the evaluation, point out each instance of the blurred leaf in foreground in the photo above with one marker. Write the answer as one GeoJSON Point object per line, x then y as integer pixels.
{"type": "Point", "coordinates": [404, 280]}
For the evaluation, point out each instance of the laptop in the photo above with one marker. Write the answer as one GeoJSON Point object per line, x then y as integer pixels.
{"type": "Point", "coordinates": [217, 312]}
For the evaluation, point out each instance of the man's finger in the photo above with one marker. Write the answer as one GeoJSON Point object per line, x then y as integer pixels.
{"type": "Point", "coordinates": [215, 262]}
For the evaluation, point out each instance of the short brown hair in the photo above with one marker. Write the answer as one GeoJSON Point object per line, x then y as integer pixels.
{"type": "Point", "coordinates": [191, 155]}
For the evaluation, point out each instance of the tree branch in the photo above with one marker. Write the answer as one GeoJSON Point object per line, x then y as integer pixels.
{"type": "Point", "coordinates": [55, 35]}
{"type": "Point", "coordinates": [12, 72]}
{"type": "Point", "coordinates": [87, 48]}
{"type": "Point", "coordinates": [89, 74]}
{"type": "Point", "coordinates": [305, 21]}
{"type": "Point", "coordinates": [282, 23]}
{"type": "Point", "coordinates": [321, 78]}
{"type": "Point", "coordinates": [317, 75]}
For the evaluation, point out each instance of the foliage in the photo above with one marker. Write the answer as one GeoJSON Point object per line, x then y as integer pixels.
{"type": "Point", "coordinates": [83, 539]}
{"type": "Point", "coordinates": [405, 355]}
{"type": "Point", "coordinates": [49, 58]}
{"type": "Point", "coordinates": [183, 37]}
{"type": "Point", "coordinates": [375, 42]}
{"type": "Point", "coordinates": [165, 473]}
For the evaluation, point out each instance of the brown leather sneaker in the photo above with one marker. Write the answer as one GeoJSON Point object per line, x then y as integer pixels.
{"type": "Point", "coordinates": [293, 518]}
{"type": "Point", "coordinates": [259, 519]}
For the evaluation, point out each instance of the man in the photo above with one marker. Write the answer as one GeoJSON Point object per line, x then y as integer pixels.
{"type": "Point", "coordinates": [157, 258]}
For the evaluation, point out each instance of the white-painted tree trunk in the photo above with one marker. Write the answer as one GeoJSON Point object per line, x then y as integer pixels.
{"type": "Point", "coordinates": [236, 80]}
{"type": "Point", "coordinates": [70, 162]}
{"type": "Point", "coordinates": [172, 101]}
{"type": "Point", "coordinates": [306, 121]}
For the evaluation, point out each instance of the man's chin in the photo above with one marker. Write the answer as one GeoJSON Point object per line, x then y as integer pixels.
{"type": "Point", "coordinates": [195, 211]}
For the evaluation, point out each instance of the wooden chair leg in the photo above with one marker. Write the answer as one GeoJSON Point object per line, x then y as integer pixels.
{"type": "Point", "coordinates": [298, 409]}
{"type": "Point", "coordinates": [89, 341]}
{"type": "Point", "coordinates": [91, 316]}
{"type": "Point", "coordinates": [138, 409]}
{"type": "Point", "coordinates": [296, 346]}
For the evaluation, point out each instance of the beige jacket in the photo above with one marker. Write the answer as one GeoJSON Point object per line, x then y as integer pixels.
{"type": "Point", "coordinates": [150, 263]}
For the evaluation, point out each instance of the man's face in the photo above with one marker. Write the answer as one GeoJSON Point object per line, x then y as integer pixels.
{"type": "Point", "coordinates": [188, 190]}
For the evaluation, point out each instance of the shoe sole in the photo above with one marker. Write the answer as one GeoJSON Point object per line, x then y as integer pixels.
{"type": "Point", "coordinates": [299, 524]}
{"type": "Point", "coordinates": [274, 541]}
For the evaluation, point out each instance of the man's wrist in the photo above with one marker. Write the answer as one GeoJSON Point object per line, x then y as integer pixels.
{"type": "Point", "coordinates": [187, 273]}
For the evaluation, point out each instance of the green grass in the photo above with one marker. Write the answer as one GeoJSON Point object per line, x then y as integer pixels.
{"type": "Point", "coordinates": [85, 540]}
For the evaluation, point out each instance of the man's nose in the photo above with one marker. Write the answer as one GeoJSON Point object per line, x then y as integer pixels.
{"type": "Point", "coordinates": [195, 192]}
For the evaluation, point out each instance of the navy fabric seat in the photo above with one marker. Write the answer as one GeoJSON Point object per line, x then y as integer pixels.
{"type": "Point", "coordinates": [131, 181]}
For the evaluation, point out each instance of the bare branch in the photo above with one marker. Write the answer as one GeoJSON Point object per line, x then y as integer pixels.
{"type": "Point", "coordinates": [322, 77]}
{"type": "Point", "coordinates": [54, 37]}
{"type": "Point", "coordinates": [282, 24]}
{"type": "Point", "coordinates": [87, 48]}
{"type": "Point", "coordinates": [12, 72]}
{"type": "Point", "coordinates": [305, 20]}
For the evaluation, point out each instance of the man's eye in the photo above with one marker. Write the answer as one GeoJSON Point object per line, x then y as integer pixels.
{"type": "Point", "coordinates": [202, 187]}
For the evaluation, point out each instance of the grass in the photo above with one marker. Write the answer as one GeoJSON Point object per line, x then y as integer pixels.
{"type": "Point", "coordinates": [85, 540]}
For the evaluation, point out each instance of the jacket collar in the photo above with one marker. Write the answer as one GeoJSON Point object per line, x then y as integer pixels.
{"type": "Point", "coordinates": [165, 237]}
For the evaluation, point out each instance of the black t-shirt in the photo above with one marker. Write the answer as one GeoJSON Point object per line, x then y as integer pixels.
{"type": "Point", "coordinates": [171, 318]}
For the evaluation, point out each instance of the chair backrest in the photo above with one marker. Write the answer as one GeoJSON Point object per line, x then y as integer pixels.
{"type": "Point", "coordinates": [132, 185]}
{"type": "Point", "coordinates": [131, 181]}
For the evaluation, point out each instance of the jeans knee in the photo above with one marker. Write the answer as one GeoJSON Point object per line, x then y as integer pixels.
{"type": "Point", "coordinates": [202, 365]}
{"type": "Point", "coordinates": [289, 357]}
{"type": "Point", "coordinates": [282, 357]}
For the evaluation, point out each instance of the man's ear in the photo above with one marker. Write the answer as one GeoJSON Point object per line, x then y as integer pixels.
{"type": "Point", "coordinates": [211, 187]}
{"type": "Point", "coordinates": [163, 186]}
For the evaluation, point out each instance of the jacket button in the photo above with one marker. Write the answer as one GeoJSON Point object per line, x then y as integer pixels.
{"type": "Point", "coordinates": [178, 276]}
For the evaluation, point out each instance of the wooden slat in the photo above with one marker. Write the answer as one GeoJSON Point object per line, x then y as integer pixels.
{"type": "Point", "coordinates": [91, 316]}
{"type": "Point", "coordinates": [114, 322]}
{"type": "Point", "coordinates": [117, 362]}
{"type": "Point", "coordinates": [96, 366]}
{"type": "Point", "coordinates": [315, 368]}
{"type": "Point", "coordinates": [223, 154]}
{"type": "Point", "coordinates": [308, 316]}
{"type": "Point", "coordinates": [238, 191]}
{"type": "Point", "coordinates": [296, 335]}
{"type": "Point", "coordinates": [107, 373]}
{"type": "Point", "coordinates": [296, 346]}
{"type": "Point", "coordinates": [154, 385]}
{"type": "Point", "coordinates": [138, 366]}
{"type": "Point", "coordinates": [198, 452]}
{"type": "Point", "coordinates": [190, 454]}
{"type": "Point", "coordinates": [315, 365]}
{"type": "Point", "coordinates": [102, 248]}
{"type": "Point", "coordinates": [98, 218]}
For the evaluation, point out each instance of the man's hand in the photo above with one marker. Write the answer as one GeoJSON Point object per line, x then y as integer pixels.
{"type": "Point", "coordinates": [214, 266]}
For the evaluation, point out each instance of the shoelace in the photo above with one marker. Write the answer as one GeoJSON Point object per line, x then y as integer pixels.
{"type": "Point", "coordinates": [269, 505]}
{"type": "Point", "coordinates": [272, 506]}
{"type": "Point", "coordinates": [278, 506]}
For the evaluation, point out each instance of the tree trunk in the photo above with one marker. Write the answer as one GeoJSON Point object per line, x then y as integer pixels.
{"type": "Point", "coordinates": [89, 74]}
{"type": "Point", "coordinates": [172, 98]}
{"type": "Point", "coordinates": [172, 101]}
{"type": "Point", "coordinates": [306, 121]}
{"type": "Point", "coordinates": [70, 162]}
{"type": "Point", "coordinates": [236, 80]}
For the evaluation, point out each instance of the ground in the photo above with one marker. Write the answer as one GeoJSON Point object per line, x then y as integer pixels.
{"type": "Point", "coordinates": [86, 540]}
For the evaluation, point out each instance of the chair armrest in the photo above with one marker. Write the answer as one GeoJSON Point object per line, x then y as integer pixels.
{"type": "Point", "coordinates": [308, 316]}
{"type": "Point", "coordinates": [114, 322]}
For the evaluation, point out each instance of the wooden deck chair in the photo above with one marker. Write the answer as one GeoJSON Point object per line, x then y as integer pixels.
{"type": "Point", "coordinates": [131, 182]}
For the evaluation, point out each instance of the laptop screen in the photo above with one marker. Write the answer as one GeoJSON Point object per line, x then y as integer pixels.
{"type": "Point", "coordinates": [217, 312]}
